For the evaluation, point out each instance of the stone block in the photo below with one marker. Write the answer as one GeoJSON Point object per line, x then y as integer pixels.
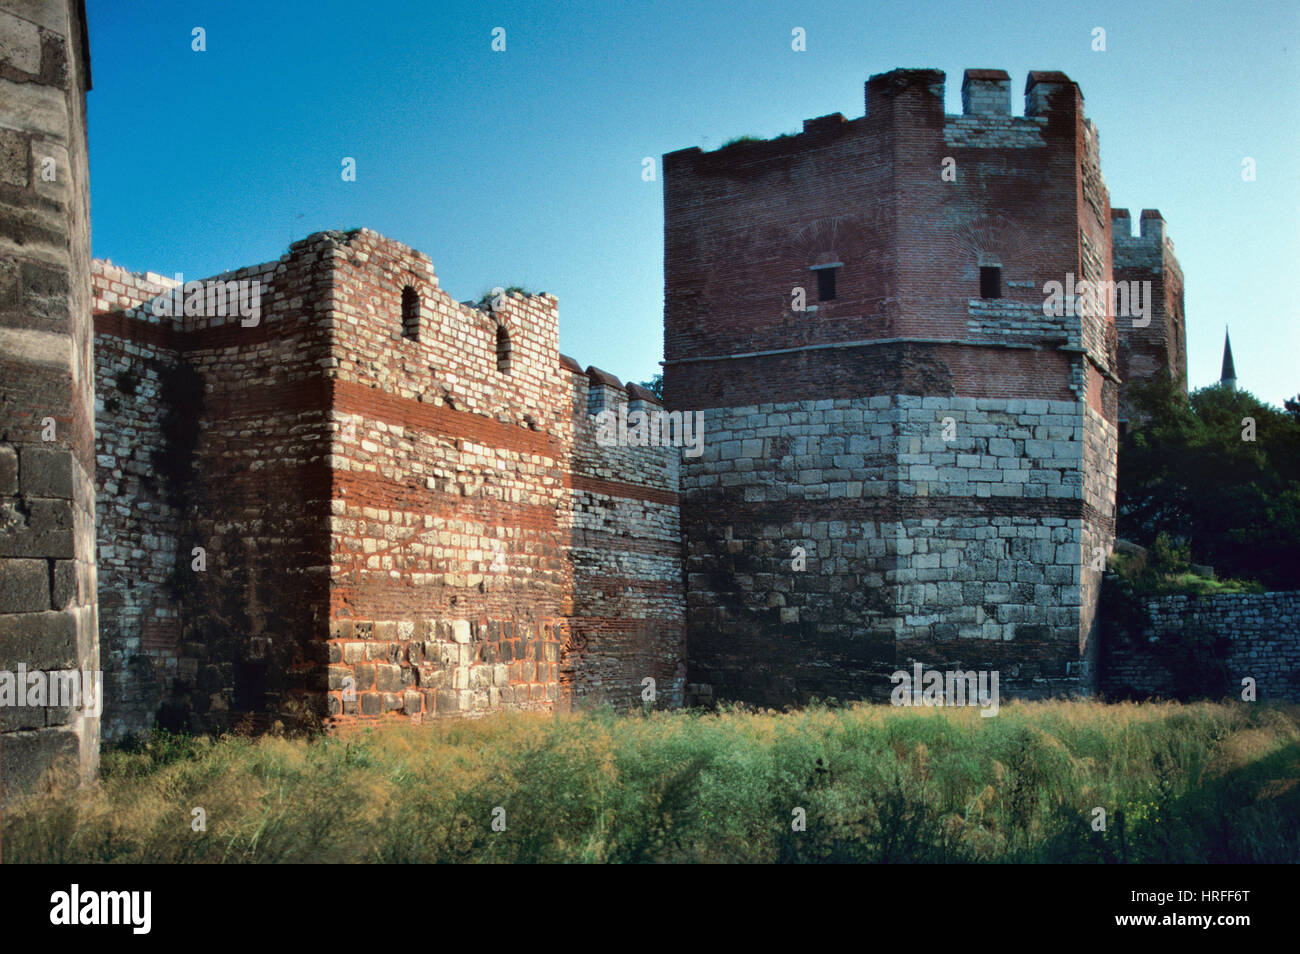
{"type": "Point", "coordinates": [13, 158]}
{"type": "Point", "coordinates": [45, 640]}
{"type": "Point", "coordinates": [20, 44]}
{"type": "Point", "coordinates": [388, 678]}
{"type": "Point", "coordinates": [37, 528]}
{"type": "Point", "coordinates": [24, 586]}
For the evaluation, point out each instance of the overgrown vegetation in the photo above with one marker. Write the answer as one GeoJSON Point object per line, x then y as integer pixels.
{"type": "Point", "coordinates": [744, 139]}
{"type": "Point", "coordinates": [1178, 783]}
{"type": "Point", "coordinates": [1219, 469]}
{"type": "Point", "coordinates": [655, 386]}
{"type": "Point", "coordinates": [1167, 568]}
{"type": "Point", "coordinates": [488, 295]}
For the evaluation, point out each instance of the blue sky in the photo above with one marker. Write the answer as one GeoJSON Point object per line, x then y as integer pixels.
{"type": "Point", "coordinates": [524, 167]}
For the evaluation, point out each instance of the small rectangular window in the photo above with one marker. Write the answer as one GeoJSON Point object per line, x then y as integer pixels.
{"type": "Point", "coordinates": [826, 284]}
{"type": "Point", "coordinates": [990, 281]}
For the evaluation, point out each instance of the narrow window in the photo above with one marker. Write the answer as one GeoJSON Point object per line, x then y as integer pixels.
{"type": "Point", "coordinates": [503, 349]}
{"type": "Point", "coordinates": [410, 313]}
{"type": "Point", "coordinates": [826, 284]}
{"type": "Point", "coordinates": [990, 281]}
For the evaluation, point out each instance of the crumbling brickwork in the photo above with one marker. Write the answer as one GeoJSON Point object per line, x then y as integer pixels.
{"type": "Point", "coordinates": [940, 449]}
{"type": "Point", "coordinates": [402, 504]}
{"type": "Point", "coordinates": [47, 490]}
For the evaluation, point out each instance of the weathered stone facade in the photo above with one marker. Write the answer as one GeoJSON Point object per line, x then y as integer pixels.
{"type": "Point", "coordinates": [47, 490]}
{"type": "Point", "coordinates": [941, 450]}
{"type": "Point", "coordinates": [1186, 645]}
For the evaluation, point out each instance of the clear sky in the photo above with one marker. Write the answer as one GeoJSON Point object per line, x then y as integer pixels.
{"type": "Point", "coordinates": [523, 167]}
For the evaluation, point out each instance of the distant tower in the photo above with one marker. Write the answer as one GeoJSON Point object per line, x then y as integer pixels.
{"type": "Point", "coordinates": [1228, 376]}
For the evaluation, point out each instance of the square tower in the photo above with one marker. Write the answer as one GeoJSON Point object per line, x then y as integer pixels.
{"type": "Point", "coordinates": [907, 457]}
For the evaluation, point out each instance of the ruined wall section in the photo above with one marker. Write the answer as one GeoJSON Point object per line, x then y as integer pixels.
{"type": "Point", "coordinates": [48, 615]}
{"type": "Point", "coordinates": [248, 430]}
{"type": "Point", "coordinates": [628, 621]}
{"type": "Point", "coordinates": [212, 456]}
{"type": "Point", "coordinates": [140, 626]}
{"type": "Point", "coordinates": [449, 501]}
{"type": "Point", "coordinates": [1180, 646]}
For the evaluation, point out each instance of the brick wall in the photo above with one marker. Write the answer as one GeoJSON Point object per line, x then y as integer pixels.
{"type": "Point", "coordinates": [137, 521]}
{"type": "Point", "coordinates": [402, 502]}
{"type": "Point", "coordinates": [628, 616]}
{"type": "Point", "coordinates": [1187, 646]}
{"type": "Point", "coordinates": [213, 436]}
{"type": "Point", "coordinates": [47, 494]}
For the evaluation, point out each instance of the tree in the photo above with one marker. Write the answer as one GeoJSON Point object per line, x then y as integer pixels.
{"type": "Point", "coordinates": [1192, 471]}
{"type": "Point", "coordinates": [655, 386]}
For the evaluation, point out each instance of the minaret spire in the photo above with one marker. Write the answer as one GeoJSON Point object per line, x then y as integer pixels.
{"type": "Point", "coordinates": [1229, 374]}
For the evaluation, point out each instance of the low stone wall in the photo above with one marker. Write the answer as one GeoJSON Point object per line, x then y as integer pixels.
{"type": "Point", "coordinates": [1186, 646]}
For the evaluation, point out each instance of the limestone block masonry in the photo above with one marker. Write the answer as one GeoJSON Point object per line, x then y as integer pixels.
{"type": "Point", "coordinates": [47, 467]}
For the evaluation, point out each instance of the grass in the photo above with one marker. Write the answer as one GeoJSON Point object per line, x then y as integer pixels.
{"type": "Point", "coordinates": [1204, 782]}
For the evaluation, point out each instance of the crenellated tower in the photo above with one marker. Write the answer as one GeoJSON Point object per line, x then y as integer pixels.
{"type": "Point", "coordinates": [909, 458]}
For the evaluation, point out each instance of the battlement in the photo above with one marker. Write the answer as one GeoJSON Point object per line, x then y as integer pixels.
{"type": "Point", "coordinates": [910, 102]}
{"type": "Point", "coordinates": [1152, 230]}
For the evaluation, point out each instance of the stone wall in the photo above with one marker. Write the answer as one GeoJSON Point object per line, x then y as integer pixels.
{"type": "Point", "coordinates": [448, 464]}
{"type": "Point", "coordinates": [214, 439]}
{"type": "Point", "coordinates": [1183, 646]}
{"type": "Point", "coordinates": [629, 600]}
{"type": "Point", "coordinates": [962, 552]}
{"type": "Point", "coordinates": [47, 493]}
{"type": "Point", "coordinates": [140, 621]}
